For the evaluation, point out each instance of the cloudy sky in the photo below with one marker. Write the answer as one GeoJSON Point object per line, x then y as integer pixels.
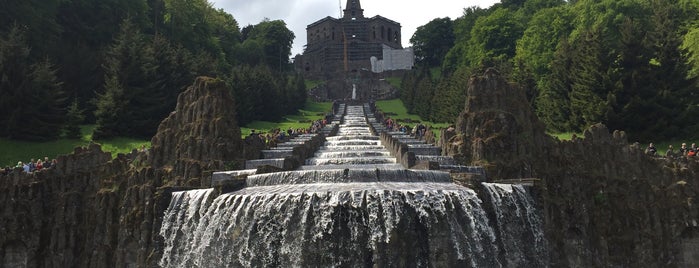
{"type": "Point", "coordinates": [299, 13]}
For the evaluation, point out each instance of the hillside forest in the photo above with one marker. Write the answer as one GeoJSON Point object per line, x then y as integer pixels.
{"type": "Point", "coordinates": [631, 64]}
{"type": "Point", "coordinates": [120, 64]}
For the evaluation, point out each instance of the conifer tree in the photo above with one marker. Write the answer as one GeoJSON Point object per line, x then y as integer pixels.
{"type": "Point", "coordinates": [588, 77]}
{"type": "Point", "coordinates": [128, 70]}
{"type": "Point", "coordinates": [450, 96]}
{"type": "Point", "coordinates": [553, 102]}
{"type": "Point", "coordinates": [424, 92]}
{"type": "Point", "coordinates": [31, 103]}
{"type": "Point", "coordinates": [74, 117]}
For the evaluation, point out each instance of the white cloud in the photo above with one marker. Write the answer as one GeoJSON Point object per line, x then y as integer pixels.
{"type": "Point", "coordinates": [300, 13]}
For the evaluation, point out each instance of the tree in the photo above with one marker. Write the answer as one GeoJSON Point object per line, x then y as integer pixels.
{"type": "Point", "coordinates": [424, 92]}
{"type": "Point", "coordinates": [494, 37]}
{"type": "Point", "coordinates": [450, 96]}
{"type": "Point", "coordinates": [432, 41]}
{"type": "Point", "coordinates": [462, 33]}
{"type": "Point", "coordinates": [32, 97]}
{"type": "Point", "coordinates": [553, 102]}
{"type": "Point", "coordinates": [276, 40]}
{"type": "Point", "coordinates": [74, 117]}
{"type": "Point", "coordinates": [536, 48]}
{"type": "Point", "coordinates": [588, 82]}
{"type": "Point", "coordinates": [128, 71]}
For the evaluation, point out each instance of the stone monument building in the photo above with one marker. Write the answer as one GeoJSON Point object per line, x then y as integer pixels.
{"type": "Point", "coordinates": [352, 44]}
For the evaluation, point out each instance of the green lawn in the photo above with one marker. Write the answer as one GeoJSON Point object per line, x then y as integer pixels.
{"type": "Point", "coordinates": [566, 136]}
{"type": "Point", "coordinates": [12, 151]}
{"type": "Point", "coordinates": [312, 83]}
{"type": "Point", "coordinates": [396, 110]}
{"type": "Point", "coordinates": [312, 111]}
{"type": "Point", "coordinates": [394, 81]}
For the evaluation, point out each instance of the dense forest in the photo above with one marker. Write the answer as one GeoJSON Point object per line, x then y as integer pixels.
{"type": "Point", "coordinates": [120, 64]}
{"type": "Point", "coordinates": [631, 64]}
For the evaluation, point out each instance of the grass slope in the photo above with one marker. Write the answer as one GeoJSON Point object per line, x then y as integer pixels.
{"type": "Point", "coordinates": [12, 151]}
{"type": "Point", "coordinates": [396, 110]}
{"type": "Point", "coordinates": [311, 111]}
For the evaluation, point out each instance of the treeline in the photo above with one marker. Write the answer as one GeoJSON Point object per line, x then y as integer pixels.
{"type": "Point", "coordinates": [121, 65]}
{"type": "Point", "coordinates": [631, 64]}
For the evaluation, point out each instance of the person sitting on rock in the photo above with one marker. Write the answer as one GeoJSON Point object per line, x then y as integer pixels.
{"type": "Point", "coordinates": [670, 153]}
{"type": "Point", "coordinates": [47, 163]}
{"type": "Point", "coordinates": [651, 150]}
{"type": "Point", "coordinates": [684, 150]}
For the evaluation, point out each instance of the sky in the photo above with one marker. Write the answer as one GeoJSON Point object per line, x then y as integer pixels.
{"type": "Point", "coordinates": [300, 13]}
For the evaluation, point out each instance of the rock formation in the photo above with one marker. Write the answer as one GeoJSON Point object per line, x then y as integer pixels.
{"type": "Point", "coordinates": [201, 134]}
{"type": "Point", "coordinates": [497, 129]}
{"type": "Point", "coordinates": [607, 203]}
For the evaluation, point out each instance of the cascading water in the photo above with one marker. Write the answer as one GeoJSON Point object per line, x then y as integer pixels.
{"type": "Point", "coordinates": [365, 214]}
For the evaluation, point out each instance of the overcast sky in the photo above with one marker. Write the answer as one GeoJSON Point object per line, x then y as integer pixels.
{"type": "Point", "coordinates": [300, 13]}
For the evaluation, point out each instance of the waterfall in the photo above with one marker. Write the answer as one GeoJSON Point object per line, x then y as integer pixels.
{"type": "Point", "coordinates": [518, 224]}
{"type": "Point", "coordinates": [328, 225]}
{"type": "Point", "coordinates": [352, 205]}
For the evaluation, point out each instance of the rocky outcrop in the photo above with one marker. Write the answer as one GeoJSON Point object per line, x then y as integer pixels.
{"type": "Point", "coordinates": [201, 134]}
{"type": "Point", "coordinates": [497, 129]}
{"type": "Point", "coordinates": [606, 202]}
{"type": "Point", "coordinates": [92, 210]}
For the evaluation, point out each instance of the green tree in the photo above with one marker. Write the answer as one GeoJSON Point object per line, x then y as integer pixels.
{"type": "Point", "coordinates": [494, 37]}
{"type": "Point", "coordinates": [450, 96]}
{"type": "Point", "coordinates": [424, 92]}
{"type": "Point", "coordinates": [553, 102]}
{"type": "Point", "coordinates": [275, 40]}
{"type": "Point", "coordinates": [462, 33]}
{"type": "Point", "coordinates": [588, 82]}
{"type": "Point", "coordinates": [432, 41]}
{"type": "Point", "coordinates": [536, 48]}
{"type": "Point", "coordinates": [128, 73]}
{"type": "Point", "coordinates": [32, 97]}
{"type": "Point", "coordinates": [74, 117]}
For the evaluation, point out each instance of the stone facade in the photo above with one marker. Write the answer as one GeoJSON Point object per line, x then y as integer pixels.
{"type": "Point", "coordinates": [353, 37]}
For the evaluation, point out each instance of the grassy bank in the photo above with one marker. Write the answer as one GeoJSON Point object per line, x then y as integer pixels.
{"type": "Point", "coordinates": [311, 111]}
{"type": "Point", "coordinates": [12, 151]}
{"type": "Point", "coordinates": [396, 110]}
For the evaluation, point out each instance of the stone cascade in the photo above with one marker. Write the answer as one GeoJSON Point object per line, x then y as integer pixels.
{"type": "Point", "coordinates": [354, 146]}
{"type": "Point", "coordinates": [416, 152]}
{"type": "Point", "coordinates": [276, 156]}
{"type": "Point", "coordinates": [352, 205]}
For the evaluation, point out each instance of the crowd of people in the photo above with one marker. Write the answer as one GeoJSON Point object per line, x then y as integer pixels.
{"type": "Point", "coordinates": [684, 151]}
{"type": "Point", "coordinates": [33, 165]}
{"type": "Point", "coordinates": [276, 136]}
{"type": "Point", "coordinates": [418, 132]}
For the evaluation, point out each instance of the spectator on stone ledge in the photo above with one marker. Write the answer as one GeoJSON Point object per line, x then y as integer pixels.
{"type": "Point", "coordinates": [670, 153]}
{"type": "Point", "coordinates": [684, 150]}
{"type": "Point", "coordinates": [651, 150]}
